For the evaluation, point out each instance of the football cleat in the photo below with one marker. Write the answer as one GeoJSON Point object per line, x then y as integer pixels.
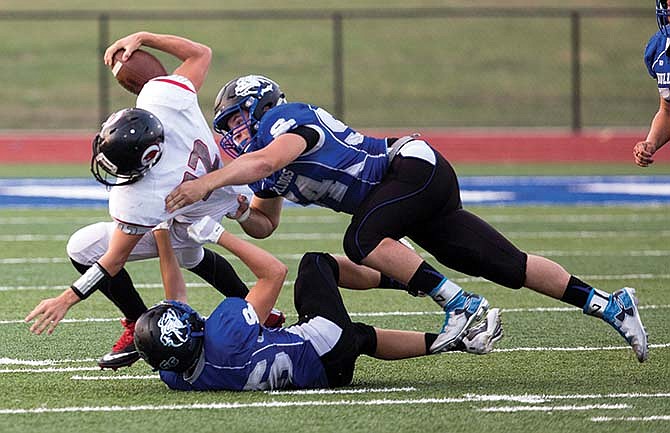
{"type": "Point", "coordinates": [481, 337]}
{"type": "Point", "coordinates": [275, 320]}
{"type": "Point", "coordinates": [621, 312]}
{"type": "Point", "coordinates": [462, 312]}
{"type": "Point", "coordinates": [123, 353]}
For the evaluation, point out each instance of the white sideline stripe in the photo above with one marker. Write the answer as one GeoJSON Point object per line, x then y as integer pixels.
{"type": "Point", "coordinates": [379, 313]}
{"type": "Point", "coordinates": [575, 349]}
{"type": "Point", "coordinates": [10, 361]}
{"type": "Point", "coordinates": [341, 391]}
{"type": "Point", "coordinates": [631, 418]}
{"type": "Point", "coordinates": [555, 253]}
{"type": "Point", "coordinates": [591, 234]}
{"type": "Point", "coordinates": [280, 404]}
{"type": "Point", "coordinates": [48, 370]}
{"type": "Point", "coordinates": [511, 409]}
{"type": "Point", "coordinates": [513, 349]}
{"type": "Point", "coordinates": [120, 377]}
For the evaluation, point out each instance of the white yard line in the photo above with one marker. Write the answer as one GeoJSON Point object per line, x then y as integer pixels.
{"type": "Point", "coordinates": [10, 361]}
{"type": "Point", "coordinates": [631, 418]}
{"type": "Point", "coordinates": [512, 409]}
{"type": "Point", "coordinates": [117, 377]}
{"type": "Point", "coordinates": [469, 398]}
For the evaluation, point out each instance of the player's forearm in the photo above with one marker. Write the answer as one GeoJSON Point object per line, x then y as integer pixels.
{"type": "Point", "coordinates": [179, 47]}
{"type": "Point", "coordinates": [258, 225]}
{"type": "Point", "coordinates": [244, 170]}
{"type": "Point", "coordinates": [171, 275]}
{"type": "Point", "coordinates": [659, 132]}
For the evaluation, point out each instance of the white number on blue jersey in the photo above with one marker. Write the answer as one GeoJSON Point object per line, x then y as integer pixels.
{"type": "Point", "coordinates": [313, 190]}
{"type": "Point", "coordinates": [281, 374]}
{"type": "Point", "coordinates": [250, 316]}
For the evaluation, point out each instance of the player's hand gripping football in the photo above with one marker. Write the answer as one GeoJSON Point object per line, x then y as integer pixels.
{"type": "Point", "coordinates": [185, 194]}
{"type": "Point", "coordinates": [643, 153]}
{"type": "Point", "coordinates": [50, 312]}
{"type": "Point", "coordinates": [129, 44]}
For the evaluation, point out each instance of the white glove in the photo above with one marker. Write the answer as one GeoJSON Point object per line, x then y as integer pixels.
{"type": "Point", "coordinates": [205, 230]}
{"type": "Point", "coordinates": [165, 225]}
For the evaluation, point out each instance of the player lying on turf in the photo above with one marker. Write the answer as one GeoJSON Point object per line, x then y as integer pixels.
{"type": "Point", "coordinates": [231, 350]}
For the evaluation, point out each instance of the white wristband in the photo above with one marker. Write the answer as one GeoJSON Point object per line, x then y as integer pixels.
{"type": "Point", "coordinates": [245, 215]}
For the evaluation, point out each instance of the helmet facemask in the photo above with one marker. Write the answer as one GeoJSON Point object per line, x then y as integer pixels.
{"type": "Point", "coordinates": [228, 143]}
{"type": "Point", "coordinates": [663, 16]}
{"type": "Point", "coordinates": [250, 96]}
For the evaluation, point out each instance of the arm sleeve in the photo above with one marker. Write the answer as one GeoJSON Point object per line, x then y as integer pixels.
{"type": "Point", "coordinates": [310, 135]}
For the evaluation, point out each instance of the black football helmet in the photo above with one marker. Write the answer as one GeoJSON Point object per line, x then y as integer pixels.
{"type": "Point", "coordinates": [253, 94]}
{"type": "Point", "coordinates": [129, 144]}
{"type": "Point", "coordinates": [169, 336]}
{"type": "Point", "coordinates": [662, 15]}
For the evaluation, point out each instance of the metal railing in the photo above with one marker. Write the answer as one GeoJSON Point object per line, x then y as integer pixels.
{"type": "Point", "coordinates": [337, 18]}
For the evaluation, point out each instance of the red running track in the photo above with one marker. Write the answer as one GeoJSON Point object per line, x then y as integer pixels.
{"type": "Point", "coordinates": [458, 146]}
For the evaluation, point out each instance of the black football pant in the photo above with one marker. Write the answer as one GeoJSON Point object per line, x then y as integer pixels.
{"type": "Point", "coordinates": [422, 201]}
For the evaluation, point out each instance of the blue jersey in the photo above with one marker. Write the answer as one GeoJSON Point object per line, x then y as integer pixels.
{"type": "Point", "coordinates": [337, 173]}
{"type": "Point", "coordinates": [658, 64]}
{"type": "Point", "coordinates": [239, 354]}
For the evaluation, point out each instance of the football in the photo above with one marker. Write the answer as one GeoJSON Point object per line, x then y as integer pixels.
{"type": "Point", "coordinates": [134, 73]}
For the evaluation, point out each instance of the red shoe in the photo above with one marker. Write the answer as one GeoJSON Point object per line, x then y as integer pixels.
{"type": "Point", "coordinates": [275, 319]}
{"type": "Point", "coordinates": [123, 353]}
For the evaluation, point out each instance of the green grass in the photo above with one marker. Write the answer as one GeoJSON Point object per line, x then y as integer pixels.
{"type": "Point", "coordinates": [636, 256]}
{"type": "Point", "coordinates": [583, 169]}
{"type": "Point", "coordinates": [442, 72]}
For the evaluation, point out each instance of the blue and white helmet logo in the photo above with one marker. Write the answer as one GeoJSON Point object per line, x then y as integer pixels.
{"type": "Point", "coordinates": [253, 85]}
{"type": "Point", "coordinates": [174, 332]}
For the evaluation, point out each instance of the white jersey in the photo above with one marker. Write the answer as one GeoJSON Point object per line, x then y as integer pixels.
{"type": "Point", "coordinates": [189, 151]}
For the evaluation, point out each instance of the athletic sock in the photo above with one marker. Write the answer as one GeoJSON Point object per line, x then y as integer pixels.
{"type": "Point", "coordinates": [580, 294]}
{"type": "Point", "coordinates": [429, 281]}
{"type": "Point", "coordinates": [386, 282]}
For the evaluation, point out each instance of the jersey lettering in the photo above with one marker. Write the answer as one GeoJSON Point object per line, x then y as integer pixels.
{"type": "Point", "coordinates": [281, 126]}
{"type": "Point", "coordinates": [314, 190]}
{"type": "Point", "coordinates": [280, 375]}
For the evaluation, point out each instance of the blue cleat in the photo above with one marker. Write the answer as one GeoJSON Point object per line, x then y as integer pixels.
{"type": "Point", "coordinates": [622, 313]}
{"type": "Point", "coordinates": [462, 312]}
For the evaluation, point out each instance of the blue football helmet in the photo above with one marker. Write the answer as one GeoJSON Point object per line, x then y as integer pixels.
{"type": "Point", "coordinates": [169, 336]}
{"type": "Point", "coordinates": [251, 96]}
{"type": "Point", "coordinates": [662, 15]}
